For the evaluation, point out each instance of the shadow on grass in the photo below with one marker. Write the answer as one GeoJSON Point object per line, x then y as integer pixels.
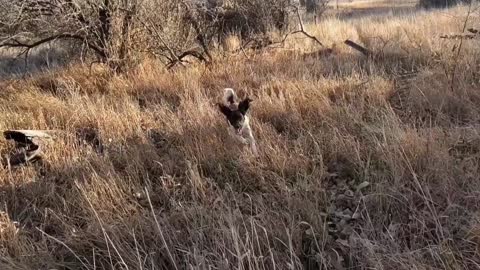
{"type": "Point", "coordinates": [13, 65]}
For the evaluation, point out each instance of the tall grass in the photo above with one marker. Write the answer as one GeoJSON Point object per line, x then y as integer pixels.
{"type": "Point", "coordinates": [171, 190]}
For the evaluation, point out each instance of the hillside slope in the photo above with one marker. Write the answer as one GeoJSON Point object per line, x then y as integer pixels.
{"type": "Point", "coordinates": [364, 163]}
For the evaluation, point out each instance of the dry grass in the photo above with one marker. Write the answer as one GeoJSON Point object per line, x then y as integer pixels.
{"type": "Point", "coordinates": [318, 121]}
{"type": "Point", "coordinates": [373, 3]}
{"type": "Point", "coordinates": [363, 8]}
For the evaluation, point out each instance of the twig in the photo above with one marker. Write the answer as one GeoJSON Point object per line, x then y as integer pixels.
{"type": "Point", "coordinates": [169, 49]}
{"type": "Point", "coordinates": [473, 31]}
{"type": "Point", "coordinates": [301, 30]}
{"type": "Point", "coordinates": [174, 58]}
{"type": "Point", "coordinates": [65, 245]}
{"type": "Point", "coordinates": [28, 46]}
{"type": "Point", "coordinates": [200, 37]}
{"type": "Point", "coordinates": [193, 53]}
{"type": "Point", "coordinates": [160, 231]}
{"type": "Point", "coordinates": [459, 36]}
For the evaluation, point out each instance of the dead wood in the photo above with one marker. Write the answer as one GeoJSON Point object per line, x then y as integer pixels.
{"type": "Point", "coordinates": [459, 36]}
{"type": "Point", "coordinates": [358, 47]}
{"type": "Point", "coordinates": [28, 146]}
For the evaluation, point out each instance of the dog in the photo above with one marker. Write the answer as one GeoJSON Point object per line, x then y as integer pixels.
{"type": "Point", "coordinates": [238, 119]}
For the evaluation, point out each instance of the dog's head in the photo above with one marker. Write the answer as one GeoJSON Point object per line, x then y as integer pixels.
{"type": "Point", "coordinates": [236, 117]}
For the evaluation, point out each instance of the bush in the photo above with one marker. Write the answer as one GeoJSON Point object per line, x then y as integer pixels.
{"type": "Point", "coordinates": [314, 6]}
{"type": "Point", "coordinates": [120, 32]}
{"type": "Point", "coordinates": [248, 17]}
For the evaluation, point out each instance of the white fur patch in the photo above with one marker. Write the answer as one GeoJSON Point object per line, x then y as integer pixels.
{"type": "Point", "coordinates": [228, 94]}
{"type": "Point", "coordinates": [245, 136]}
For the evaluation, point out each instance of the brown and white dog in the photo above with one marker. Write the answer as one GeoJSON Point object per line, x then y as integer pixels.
{"type": "Point", "coordinates": [238, 119]}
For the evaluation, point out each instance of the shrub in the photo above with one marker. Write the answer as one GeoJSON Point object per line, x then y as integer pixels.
{"type": "Point", "coordinates": [314, 6]}
{"type": "Point", "coordinates": [248, 17]}
{"type": "Point", "coordinates": [117, 31]}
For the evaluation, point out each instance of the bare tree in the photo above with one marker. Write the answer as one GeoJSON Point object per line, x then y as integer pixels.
{"type": "Point", "coordinates": [100, 27]}
{"type": "Point", "coordinates": [247, 18]}
{"type": "Point", "coordinates": [116, 31]}
{"type": "Point", "coordinates": [314, 6]}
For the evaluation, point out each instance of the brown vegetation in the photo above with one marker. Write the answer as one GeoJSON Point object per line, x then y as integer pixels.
{"type": "Point", "coordinates": [441, 3]}
{"type": "Point", "coordinates": [365, 162]}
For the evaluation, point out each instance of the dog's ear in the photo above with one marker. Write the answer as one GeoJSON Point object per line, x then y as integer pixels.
{"type": "Point", "coordinates": [244, 105]}
{"type": "Point", "coordinates": [224, 109]}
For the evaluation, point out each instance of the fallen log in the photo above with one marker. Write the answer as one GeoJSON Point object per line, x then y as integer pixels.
{"type": "Point", "coordinates": [28, 145]}
{"type": "Point", "coordinates": [25, 156]}
{"type": "Point", "coordinates": [358, 47]}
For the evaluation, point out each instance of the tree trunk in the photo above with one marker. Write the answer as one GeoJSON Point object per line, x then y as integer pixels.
{"type": "Point", "coordinates": [104, 29]}
{"type": "Point", "coordinates": [311, 6]}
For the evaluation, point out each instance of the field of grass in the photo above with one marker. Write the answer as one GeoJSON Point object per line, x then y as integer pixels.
{"type": "Point", "coordinates": [363, 8]}
{"type": "Point", "coordinates": [365, 163]}
{"type": "Point", "coordinates": [358, 4]}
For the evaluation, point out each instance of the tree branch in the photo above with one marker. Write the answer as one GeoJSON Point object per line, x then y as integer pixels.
{"type": "Point", "coordinates": [179, 59]}
{"type": "Point", "coordinates": [28, 46]}
{"type": "Point", "coordinates": [200, 36]}
{"type": "Point", "coordinates": [301, 30]}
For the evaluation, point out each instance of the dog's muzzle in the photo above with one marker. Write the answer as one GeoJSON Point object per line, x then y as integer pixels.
{"type": "Point", "coordinates": [239, 130]}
